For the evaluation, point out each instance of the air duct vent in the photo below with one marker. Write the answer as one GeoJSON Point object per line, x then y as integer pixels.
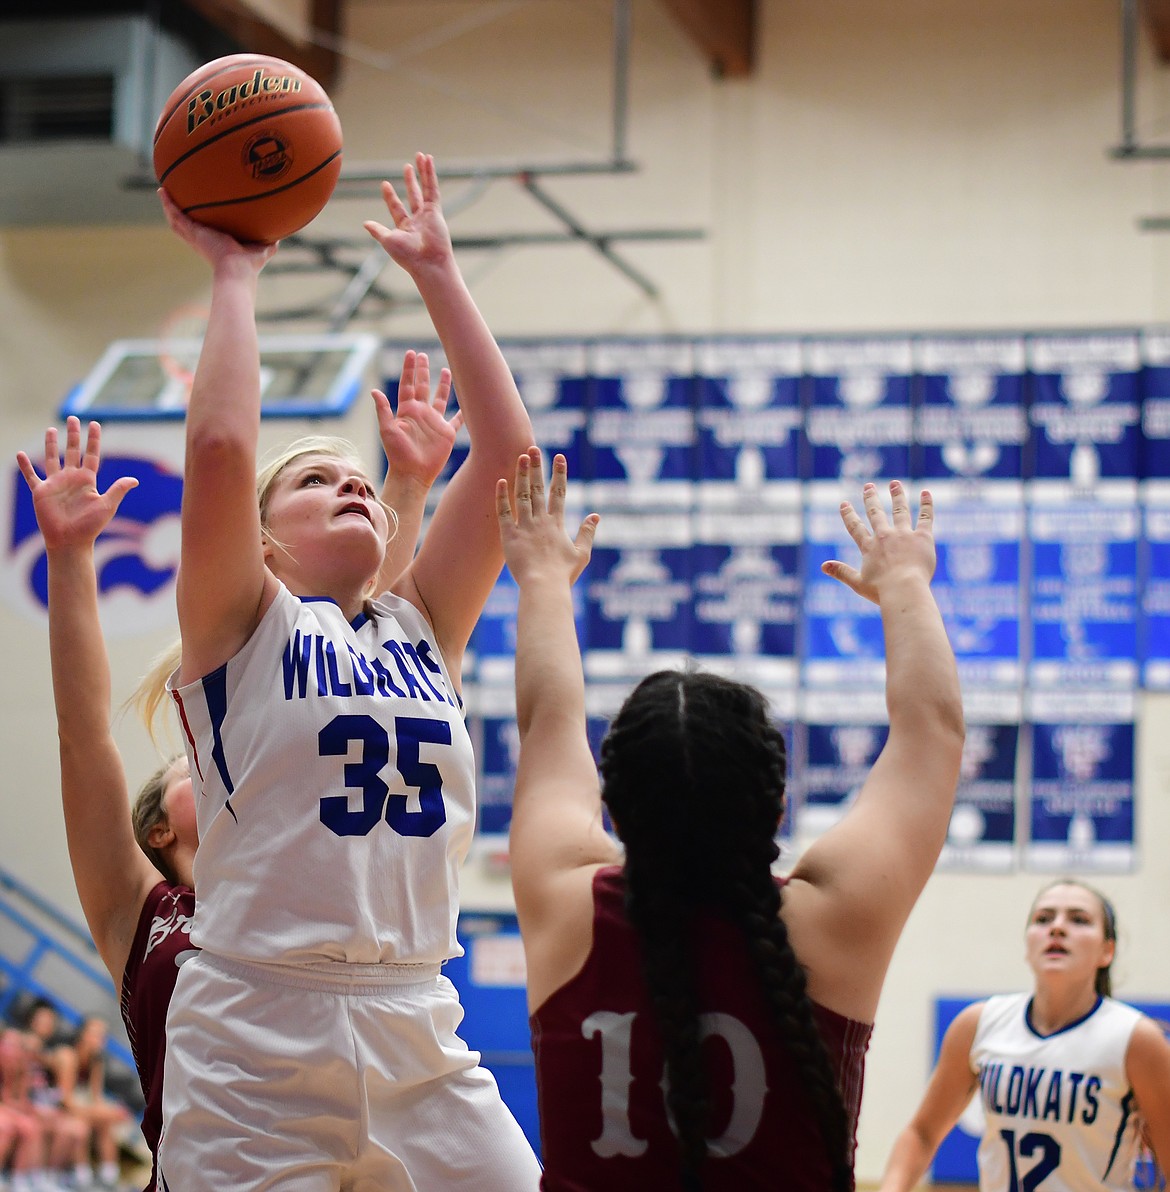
{"type": "Point", "coordinates": [80, 107]}
{"type": "Point", "coordinates": [78, 103]}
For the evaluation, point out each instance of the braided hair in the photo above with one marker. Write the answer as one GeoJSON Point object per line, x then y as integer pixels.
{"type": "Point", "coordinates": [681, 741]}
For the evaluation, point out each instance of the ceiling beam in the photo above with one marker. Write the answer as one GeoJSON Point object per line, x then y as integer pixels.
{"type": "Point", "coordinates": [1158, 23]}
{"type": "Point", "coordinates": [725, 30]}
{"type": "Point", "coordinates": [239, 21]}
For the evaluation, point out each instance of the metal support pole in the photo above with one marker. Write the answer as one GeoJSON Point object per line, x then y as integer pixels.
{"type": "Point", "coordinates": [600, 243]}
{"type": "Point", "coordinates": [355, 292]}
{"type": "Point", "coordinates": [1128, 77]}
{"type": "Point", "coordinates": [622, 26]}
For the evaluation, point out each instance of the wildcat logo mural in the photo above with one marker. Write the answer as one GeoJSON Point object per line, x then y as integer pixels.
{"type": "Point", "coordinates": [137, 557]}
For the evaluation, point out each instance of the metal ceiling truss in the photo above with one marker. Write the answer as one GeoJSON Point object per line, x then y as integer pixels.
{"type": "Point", "coordinates": [363, 292]}
{"type": "Point", "coordinates": [1130, 148]}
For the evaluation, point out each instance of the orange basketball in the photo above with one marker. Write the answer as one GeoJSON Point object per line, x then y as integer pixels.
{"type": "Point", "coordinates": [250, 145]}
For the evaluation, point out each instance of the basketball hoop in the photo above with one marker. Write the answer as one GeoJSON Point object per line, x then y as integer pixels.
{"type": "Point", "coordinates": [180, 342]}
{"type": "Point", "coordinates": [301, 376]}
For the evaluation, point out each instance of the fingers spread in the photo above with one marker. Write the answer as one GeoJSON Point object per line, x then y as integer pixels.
{"type": "Point", "coordinates": [27, 470]}
{"type": "Point", "coordinates": [523, 484]}
{"type": "Point", "coordinates": [873, 507]}
{"type": "Point", "coordinates": [52, 453]}
{"type": "Point", "coordinates": [119, 489]}
{"type": "Point", "coordinates": [425, 165]}
{"type": "Point", "coordinates": [559, 486]}
{"type": "Point", "coordinates": [849, 576]}
{"type": "Point", "coordinates": [93, 447]}
{"type": "Point", "coordinates": [585, 535]}
{"type": "Point", "coordinates": [503, 505]}
{"type": "Point", "coordinates": [851, 519]}
{"type": "Point", "coordinates": [413, 190]}
{"type": "Point", "coordinates": [443, 393]}
{"type": "Point", "coordinates": [900, 504]}
{"type": "Point", "coordinates": [394, 204]}
{"type": "Point", "coordinates": [422, 377]}
{"type": "Point", "coordinates": [72, 442]}
{"type": "Point", "coordinates": [536, 478]}
{"type": "Point", "coordinates": [925, 508]}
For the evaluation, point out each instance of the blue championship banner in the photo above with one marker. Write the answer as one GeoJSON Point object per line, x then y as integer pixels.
{"type": "Point", "coordinates": [747, 593]}
{"type": "Point", "coordinates": [971, 416]}
{"type": "Point", "coordinates": [977, 586]}
{"type": "Point", "coordinates": [491, 654]}
{"type": "Point", "coordinates": [858, 419]}
{"type": "Point", "coordinates": [1154, 636]}
{"type": "Point", "coordinates": [638, 595]}
{"type": "Point", "coordinates": [641, 424]}
{"type": "Point", "coordinates": [551, 377]}
{"type": "Point", "coordinates": [1085, 413]}
{"type": "Point", "coordinates": [1084, 594]}
{"type": "Point", "coordinates": [834, 746]}
{"type": "Point", "coordinates": [981, 837]}
{"type": "Point", "coordinates": [1154, 565]}
{"type": "Point", "coordinates": [497, 751]}
{"type": "Point", "coordinates": [1082, 783]}
{"type": "Point", "coordinates": [843, 645]}
{"type": "Point", "coordinates": [749, 420]}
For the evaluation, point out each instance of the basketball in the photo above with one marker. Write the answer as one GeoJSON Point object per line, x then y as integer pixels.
{"type": "Point", "coordinates": [250, 145]}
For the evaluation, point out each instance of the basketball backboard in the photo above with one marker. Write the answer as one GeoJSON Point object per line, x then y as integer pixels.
{"type": "Point", "coordinates": [314, 376]}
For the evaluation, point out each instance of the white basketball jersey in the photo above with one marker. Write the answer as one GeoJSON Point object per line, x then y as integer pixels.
{"type": "Point", "coordinates": [335, 790]}
{"type": "Point", "coordinates": [1059, 1109]}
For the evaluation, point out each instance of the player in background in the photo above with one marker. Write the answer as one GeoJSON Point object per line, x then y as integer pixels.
{"type": "Point", "coordinates": [79, 1072]}
{"type": "Point", "coordinates": [682, 964]}
{"type": "Point", "coordinates": [1071, 1082]}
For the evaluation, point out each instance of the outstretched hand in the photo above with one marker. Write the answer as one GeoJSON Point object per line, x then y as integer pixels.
{"type": "Point", "coordinates": [534, 537]}
{"type": "Point", "coordinates": [211, 244]}
{"type": "Point", "coordinates": [420, 235]}
{"type": "Point", "coordinates": [890, 549]}
{"type": "Point", "coordinates": [69, 509]}
{"type": "Point", "coordinates": [417, 437]}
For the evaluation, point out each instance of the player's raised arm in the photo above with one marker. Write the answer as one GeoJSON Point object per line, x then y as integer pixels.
{"type": "Point", "coordinates": [111, 873]}
{"type": "Point", "coordinates": [860, 881]}
{"type": "Point", "coordinates": [557, 835]}
{"type": "Point", "coordinates": [222, 581]}
{"type": "Point", "coordinates": [460, 559]}
{"type": "Point", "coordinates": [417, 438]}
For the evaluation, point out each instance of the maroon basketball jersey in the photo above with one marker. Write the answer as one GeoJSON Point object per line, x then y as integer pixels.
{"type": "Point", "coordinates": [599, 1071]}
{"type": "Point", "coordinates": [161, 943]}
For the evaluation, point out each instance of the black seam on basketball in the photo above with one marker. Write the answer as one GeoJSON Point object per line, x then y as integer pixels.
{"type": "Point", "coordinates": [267, 194]}
{"type": "Point", "coordinates": [165, 118]}
{"type": "Point", "coordinates": [227, 132]}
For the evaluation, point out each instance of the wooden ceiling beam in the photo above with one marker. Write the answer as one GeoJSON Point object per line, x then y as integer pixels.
{"type": "Point", "coordinates": [238, 21]}
{"type": "Point", "coordinates": [1157, 14]}
{"type": "Point", "coordinates": [724, 30]}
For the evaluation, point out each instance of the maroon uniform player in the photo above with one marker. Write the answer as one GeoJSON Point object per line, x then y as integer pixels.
{"type": "Point", "coordinates": [712, 1020]}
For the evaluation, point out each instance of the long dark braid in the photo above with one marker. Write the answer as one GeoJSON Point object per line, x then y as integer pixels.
{"type": "Point", "coordinates": [785, 990]}
{"type": "Point", "coordinates": [693, 774]}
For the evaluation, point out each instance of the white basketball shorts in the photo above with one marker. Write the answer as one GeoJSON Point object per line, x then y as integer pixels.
{"type": "Point", "coordinates": [302, 1080]}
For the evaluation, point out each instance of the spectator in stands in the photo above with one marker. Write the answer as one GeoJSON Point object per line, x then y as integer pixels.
{"type": "Point", "coordinates": [80, 1073]}
{"type": "Point", "coordinates": [28, 1089]}
{"type": "Point", "coordinates": [22, 1136]}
